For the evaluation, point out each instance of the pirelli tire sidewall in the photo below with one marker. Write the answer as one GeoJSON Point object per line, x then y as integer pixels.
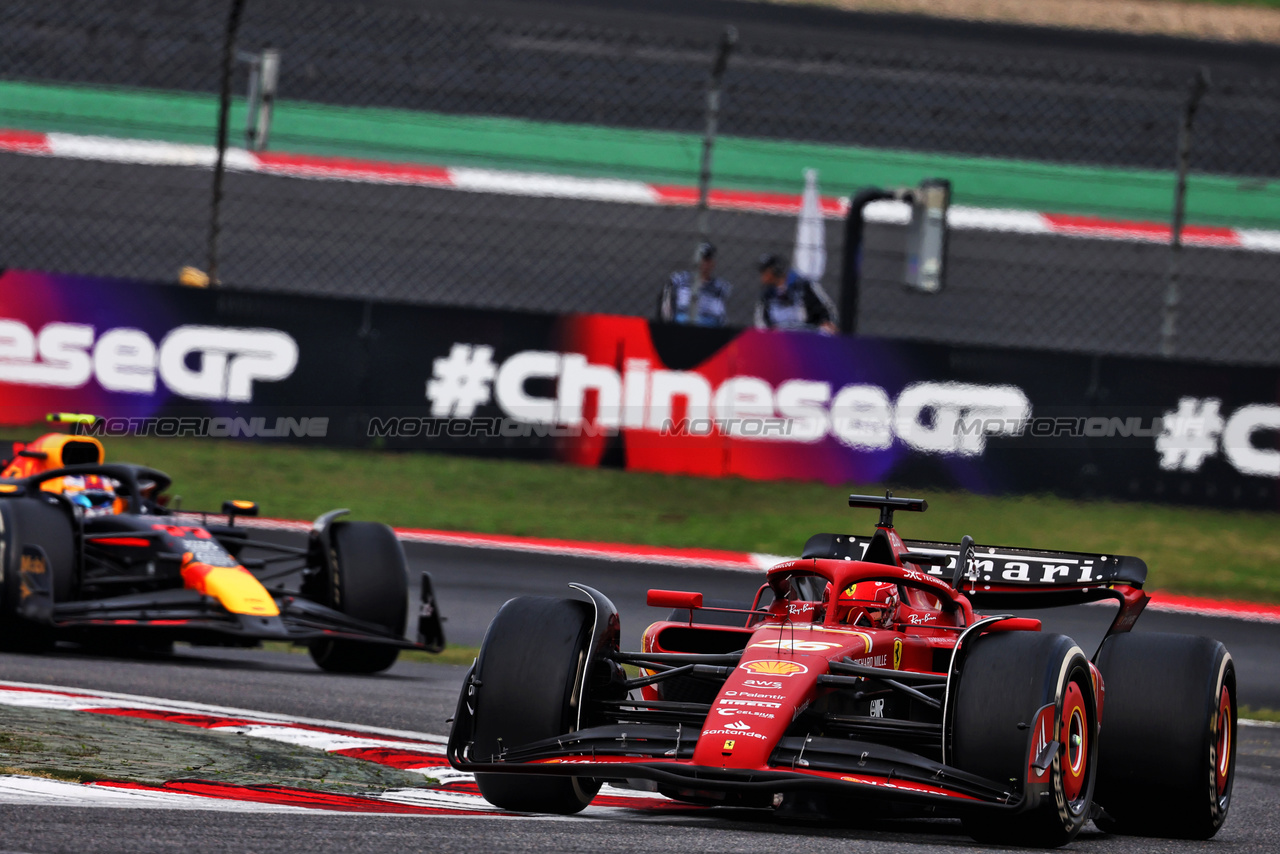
{"type": "Point", "coordinates": [530, 672]}
{"type": "Point", "coordinates": [35, 522]}
{"type": "Point", "coordinates": [1008, 684]}
{"type": "Point", "coordinates": [369, 580]}
{"type": "Point", "coordinates": [1169, 740]}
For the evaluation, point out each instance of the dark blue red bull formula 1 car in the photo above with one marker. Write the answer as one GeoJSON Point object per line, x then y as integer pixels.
{"type": "Point", "coordinates": [861, 680]}
{"type": "Point", "coordinates": [91, 552]}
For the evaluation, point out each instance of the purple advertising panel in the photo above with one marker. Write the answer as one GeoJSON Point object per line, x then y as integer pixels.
{"type": "Point", "coordinates": [595, 390]}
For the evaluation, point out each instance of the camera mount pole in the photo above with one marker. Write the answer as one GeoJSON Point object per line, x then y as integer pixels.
{"type": "Point", "coordinates": [727, 42]}
{"type": "Point", "coordinates": [224, 111]}
{"type": "Point", "coordinates": [1173, 295]}
{"type": "Point", "coordinates": [851, 272]}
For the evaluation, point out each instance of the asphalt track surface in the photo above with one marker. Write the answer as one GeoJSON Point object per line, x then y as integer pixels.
{"type": "Point", "coordinates": [447, 247]}
{"type": "Point", "coordinates": [471, 585]}
{"type": "Point", "coordinates": [797, 73]}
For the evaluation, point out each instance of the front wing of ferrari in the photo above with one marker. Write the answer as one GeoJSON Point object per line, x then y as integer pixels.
{"type": "Point", "coordinates": [664, 754]}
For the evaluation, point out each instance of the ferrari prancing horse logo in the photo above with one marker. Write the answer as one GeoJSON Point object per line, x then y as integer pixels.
{"type": "Point", "coordinates": [897, 653]}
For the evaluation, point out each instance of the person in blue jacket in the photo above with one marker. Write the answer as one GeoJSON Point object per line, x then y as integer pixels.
{"type": "Point", "coordinates": [790, 301]}
{"type": "Point", "coordinates": [696, 297]}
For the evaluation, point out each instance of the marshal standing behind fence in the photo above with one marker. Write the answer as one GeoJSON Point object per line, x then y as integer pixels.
{"type": "Point", "coordinates": [790, 301]}
{"type": "Point", "coordinates": [696, 297]}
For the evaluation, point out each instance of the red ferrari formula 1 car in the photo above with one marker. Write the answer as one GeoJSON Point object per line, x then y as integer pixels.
{"type": "Point", "coordinates": [90, 552]}
{"type": "Point", "coordinates": [862, 681]}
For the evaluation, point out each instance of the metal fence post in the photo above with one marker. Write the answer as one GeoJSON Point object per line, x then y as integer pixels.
{"type": "Point", "coordinates": [727, 42]}
{"type": "Point", "coordinates": [1172, 294]}
{"type": "Point", "coordinates": [851, 274]}
{"type": "Point", "coordinates": [224, 111]}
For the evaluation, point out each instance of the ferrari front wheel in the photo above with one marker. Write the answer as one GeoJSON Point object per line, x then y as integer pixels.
{"type": "Point", "coordinates": [529, 675]}
{"type": "Point", "coordinates": [1026, 716]}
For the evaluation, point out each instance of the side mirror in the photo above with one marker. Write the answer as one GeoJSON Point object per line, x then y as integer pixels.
{"type": "Point", "coordinates": [232, 509]}
{"type": "Point", "coordinates": [673, 599]}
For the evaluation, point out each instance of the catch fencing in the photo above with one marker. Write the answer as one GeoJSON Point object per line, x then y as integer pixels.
{"type": "Point", "coordinates": [498, 158]}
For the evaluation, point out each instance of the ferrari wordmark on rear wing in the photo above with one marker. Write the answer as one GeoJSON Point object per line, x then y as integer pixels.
{"type": "Point", "coordinates": [1004, 568]}
{"type": "Point", "coordinates": [1036, 567]}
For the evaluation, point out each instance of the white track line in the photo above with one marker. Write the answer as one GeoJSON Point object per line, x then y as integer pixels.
{"type": "Point", "coordinates": [40, 791]}
{"type": "Point", "coordinates": [617, 190]}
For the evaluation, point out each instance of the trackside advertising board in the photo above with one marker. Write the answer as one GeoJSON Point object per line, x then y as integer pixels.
{"type": "Point", "coordinates": [621, 391]}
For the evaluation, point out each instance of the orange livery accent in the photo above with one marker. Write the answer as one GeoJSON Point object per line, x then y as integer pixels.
{"type": "Point", "coordinates": [52, 451]}
{"type": "Point", "coordinates": [234, 587]}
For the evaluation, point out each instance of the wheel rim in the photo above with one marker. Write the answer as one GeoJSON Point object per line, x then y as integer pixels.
{"type": "Point", "coordinates": [1222, 767]}
{"type": "Point", "coordinates": [1075, 739]}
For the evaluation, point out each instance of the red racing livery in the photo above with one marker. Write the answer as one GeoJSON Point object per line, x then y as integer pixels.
{"type": "Point", "coordinates": [862, 681]}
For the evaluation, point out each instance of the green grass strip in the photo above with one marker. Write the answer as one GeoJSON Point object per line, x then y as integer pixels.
{"type": "Point", "coordinates": [654, 156]}
{"type": "Point", "coordinates": [1195, 551]}
{"type": "Point", "coordinates": [1269, 715]}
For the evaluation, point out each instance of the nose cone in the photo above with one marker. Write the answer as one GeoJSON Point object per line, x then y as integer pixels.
{"type": "Point", "coordinates": [234, 587]}
{"type": "Point", "coordinates": [755, 706]}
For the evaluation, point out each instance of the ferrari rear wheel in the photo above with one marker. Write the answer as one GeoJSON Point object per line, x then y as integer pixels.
{"type": "Point", "coordinates": [1018, 694]}
{"type": "Point", "coordinates": [1169, 746]}
{"type": "Point", "coordinates": [370, 582]}
{"type": "Point", "coordinates": [529, 668]}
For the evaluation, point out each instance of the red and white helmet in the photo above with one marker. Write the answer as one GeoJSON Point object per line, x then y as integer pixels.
{"type": "Point", "coordinates": [869, 603]}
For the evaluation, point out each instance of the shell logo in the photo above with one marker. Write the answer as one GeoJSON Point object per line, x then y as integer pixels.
{"type": "Point", "coordinates": [774, 668]}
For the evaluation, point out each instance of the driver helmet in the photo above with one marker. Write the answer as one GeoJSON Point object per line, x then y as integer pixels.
{"type": "Point", "coordinates": [869, 603]}
{"type": "Point", "coordinates": [91, 494]}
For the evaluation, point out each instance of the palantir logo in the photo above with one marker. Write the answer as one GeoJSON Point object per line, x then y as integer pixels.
{"type": "Point", "coordinates": [197, 362]}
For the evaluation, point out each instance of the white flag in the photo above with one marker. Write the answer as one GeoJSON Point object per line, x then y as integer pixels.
{"type": "Point", "coordinates": [810, 256]}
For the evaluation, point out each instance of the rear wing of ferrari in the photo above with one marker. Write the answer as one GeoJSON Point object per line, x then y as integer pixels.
{"type": "Point", "coordinates": [1034, 576]}
{"type": "Point", "coordinates": [1007, 576]}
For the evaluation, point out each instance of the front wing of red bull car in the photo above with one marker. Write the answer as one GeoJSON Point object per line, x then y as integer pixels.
{"type": "Point", "coordinates": [860, 678]}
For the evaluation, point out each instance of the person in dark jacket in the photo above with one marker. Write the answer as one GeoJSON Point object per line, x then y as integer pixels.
{"type": "Point", "coordinates": [790, 301]}
{"type": "Point", "coordinates": [696, 297]}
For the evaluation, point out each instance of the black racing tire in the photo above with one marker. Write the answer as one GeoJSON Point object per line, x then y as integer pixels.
{"type": "Point", "coordinates": [40, 522]}
{"type": "Point", "coordinates": [530, 663]}
{"type": "Point", "coordinates": [1006, 679]}
{"type": "Point", "coordinates": [1168, 747]}
{"type": "Point", "coordinates": [370, 582]}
